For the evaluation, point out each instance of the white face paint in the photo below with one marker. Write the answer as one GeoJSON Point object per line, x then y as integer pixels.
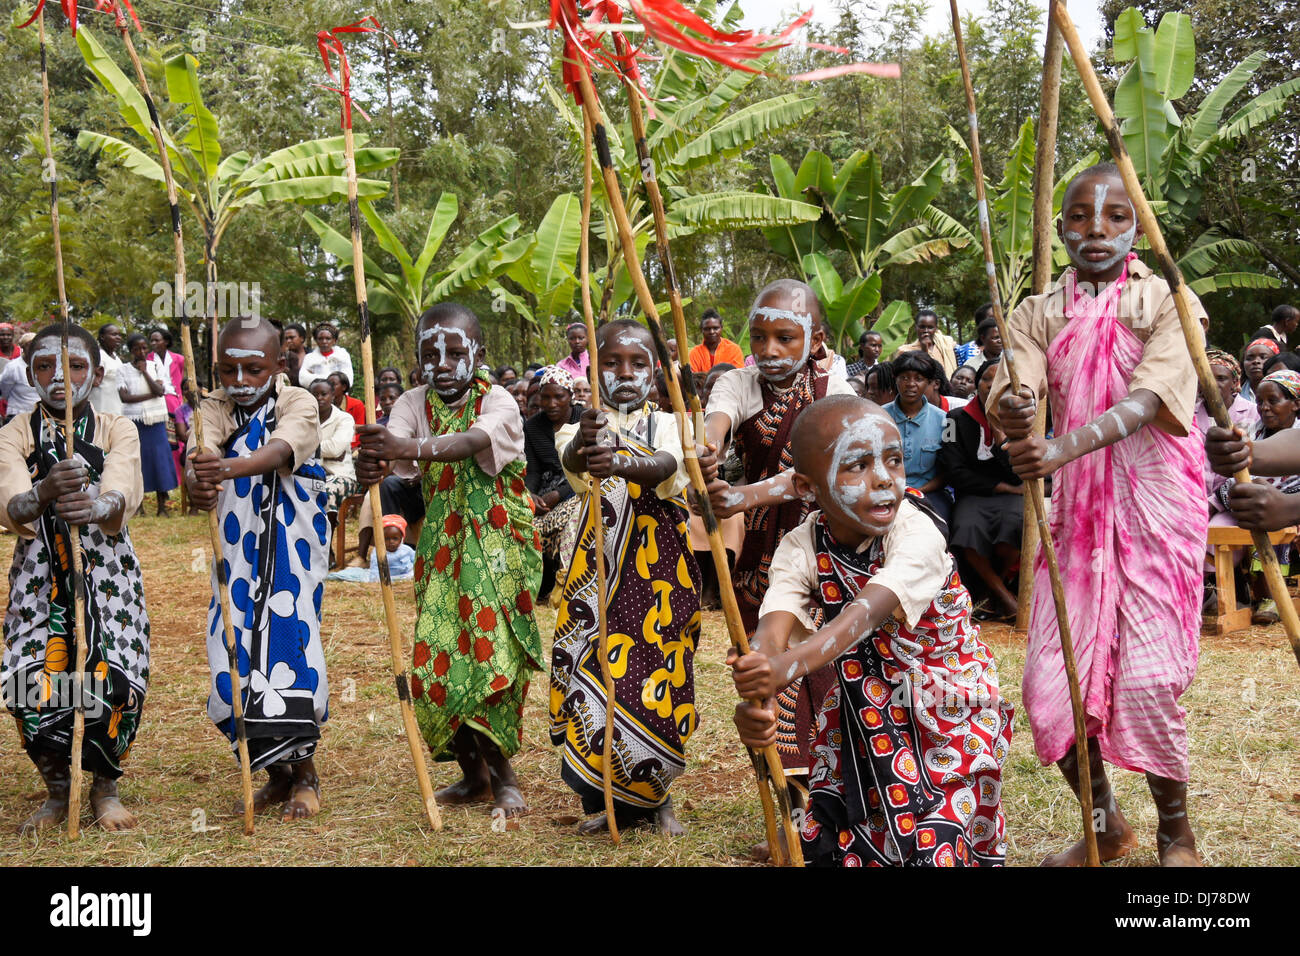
{"type": "Point", "coordinates": [245, 353]}
{"type": "Point", "coordinates": [1119, 247]}
{"type": "Point", "coordinates": [50, 347]}
{"type": "Point", "coordinates": [450, 383]}
{"type": "Point", "coordinates": [777, 370]}
{"type": "Point", "coordinates": [865, 432]}
{"type": "Point", "coordinates": [629, 394]}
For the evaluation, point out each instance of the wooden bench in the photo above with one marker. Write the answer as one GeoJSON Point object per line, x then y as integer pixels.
{"type": "Point", "coordinates": [1229, 617]}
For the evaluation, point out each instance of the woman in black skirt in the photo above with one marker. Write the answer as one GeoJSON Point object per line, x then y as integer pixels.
{"type": "Point", "coordinates": [554, 502]}
{"type": "Point", "coordinates": [989, 513]}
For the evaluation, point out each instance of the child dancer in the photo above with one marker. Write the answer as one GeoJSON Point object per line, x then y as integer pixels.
{"type": "Point", "coordinates": [41, 494]}
{"type": "Point", "coordinates": [652, 605]}
{"type": "Point", "coordinates": [912, 737]}
{"type": "Point", "coordinates": [260, 471]}
{"type": "Point", "coordinates": [1128, 512]}
{"type": "Point", "coordinates": [479, 561]}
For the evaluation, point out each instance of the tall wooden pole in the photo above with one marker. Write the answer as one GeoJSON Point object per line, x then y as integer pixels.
{"type": "Point", "coordinates": [774, 769]}
{"type": "Point", "coordinates": [1044, 182]}
{"type": "Point", "coordinates": [594, 507]}
{"type": "Point", "coordinates": [1033, 487]}
{"type": "Point", "coordinates": [1193, 335]}
{"type": "Point", "coordinates": [69, 434]}
{"type": "Point", "coordinates": [330, 41]}
{"type": "Point", "coordinates": [214, 532]}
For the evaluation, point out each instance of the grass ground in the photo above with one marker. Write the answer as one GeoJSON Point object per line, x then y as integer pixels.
{"type": "Point", "coordinates": [1243, 710]}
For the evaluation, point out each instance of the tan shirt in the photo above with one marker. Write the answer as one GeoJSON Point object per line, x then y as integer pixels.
{"type": "Point", "coordinates": [115, 434]}
{"type": "Point", "coordinates": [666, 438]}
{"type": "Point", "coordinates": [1147, 308]}
{"type": "Point", "coordinates": [915, 569]}
{"type": "Point", "coordinates": [498, 419]}
{"type": "Point", "coordinates": [738, 394]}
{"type": "Point", "coordinates": [297, 422]}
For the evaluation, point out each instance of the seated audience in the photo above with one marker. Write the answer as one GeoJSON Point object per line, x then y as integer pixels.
{"type": "Point", "coordinates": [921, 424]}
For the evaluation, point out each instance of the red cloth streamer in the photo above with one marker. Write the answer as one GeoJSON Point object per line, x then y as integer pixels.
{"type": "Point", "coordinates": [69, 11]}
{"type": "Point", "coordinates": [111, 6]}
{"type": "Point", "coordinates": [328, 41]}
{"type": "Point", "coordinates": [668, 22]}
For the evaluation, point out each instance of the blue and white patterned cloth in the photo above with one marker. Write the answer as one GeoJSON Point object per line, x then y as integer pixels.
{"type": "Point", "coordinates": [274, 538]}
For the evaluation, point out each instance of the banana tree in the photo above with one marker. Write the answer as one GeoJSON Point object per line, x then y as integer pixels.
{"type": "Point", "coordinates": [216, 189]}
{"type": "Point", "coordinates": [415, 284]}
{"type": "Point", "coordinates": [1011, 210]}
{"type": "Point", "coordinates": [692, 131]}
{"type": "Point", "coordinates": [860, 223]}
{"type": "Point", "coordinates": [1174, 154]}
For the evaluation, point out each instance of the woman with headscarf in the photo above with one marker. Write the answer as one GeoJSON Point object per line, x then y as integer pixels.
{"type": "Point", "coordinates": [1241, 410]}
{"type": "Point", "coordinates": [554, 503]}
{"type": "Point", "coordinates": [1278, 402]}
{"type": "Point", "coordinates": [989, 513]}
{"type": "Point", "coordinates": [1253, 359]}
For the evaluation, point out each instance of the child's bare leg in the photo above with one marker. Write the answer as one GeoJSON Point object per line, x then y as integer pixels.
{"type": "Point", "coordinates": [475, 785]}
{"type": "Point", "coordinates": [506, 795]}
{"type": "Point", "coordinates": [304, 800]}
{"type": "Point", "coordinates": [1175, 841]}
{"type": "Point", "coordinates": [992, 579]}
{"type": "Point", "coordinates": [666, 817]}
{"type": "Point", "coordinates": [56, 771]}
{"type": "Point", "coordinates": [1115, 838]}
{"type": "Point", "coordinates": [107, 808]}
{"type": "Point", "coordinates": [277, 789]}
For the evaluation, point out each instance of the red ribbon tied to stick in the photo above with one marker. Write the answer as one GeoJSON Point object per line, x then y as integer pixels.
{"type": "Point", "coordinates": [69, 11]}
{"type": "Point", "coordinates": [668, 22]}
{"type": "Point", "coordinates": [115, 7]}
{"type": "Point", "coordinates": [328, 41]}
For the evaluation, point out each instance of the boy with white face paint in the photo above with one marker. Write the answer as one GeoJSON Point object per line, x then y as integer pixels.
{"type": "Point", "coordinates": [456, 446]}
{"type": "Point", "coordinates": [757, 406]}
{"type": "Point", "coordinates": [41, 494]}
{"type": "Point", "coordinates": [912, 735]}
{"type": "Point", "coordinates": [653, 603]}
{"type": "Point", "coordinates": [259, 468]}
{"type": "Point", "coordinates": [1128, 512]}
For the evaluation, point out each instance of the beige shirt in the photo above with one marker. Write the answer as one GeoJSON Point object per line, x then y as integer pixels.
{"type": "Point", "coordinates": [916, 566]}
{"type": "Point", "coordinates": [115, 434]}
{"type": "Point", "coordinates": [943, 351]}
{"type": "Point", "coordinates": [498, 419]}
{"type": "Point", "coordinates": [665, 437]}
{"type": "Point", "coordinates": [1147, 308]}
{"type": "Point", "coordinates": [738, 394]}
{"type": "Point", "coordinates": [336, 444]}
{"type": "Point", "coordinates": [297, 422]}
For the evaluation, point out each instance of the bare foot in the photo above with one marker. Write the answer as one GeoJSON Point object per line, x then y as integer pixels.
{"type": "Point", "coordinates": [276, 790]}
{"type": "Point", "coordinates": [669, 825]}
{"type": "Point", "coordinates": [107, 808]}
{"type": "Point", "coordinates": [1116, 841]}
{"type": "Point", "coordinates": [465, 791]}
{"type": "Point", "coordinates": [509, 800]}
{"type": "Point", "coordinates": [304, 802]}
{"type": "Point", "coordinates": [760, 852]}
{"type": "Point", "coordinates": [599, 824]}
{"type": "Point", "coordinates": [1176, 852]}
{"type": "Point", "coordinates": [52, 813]}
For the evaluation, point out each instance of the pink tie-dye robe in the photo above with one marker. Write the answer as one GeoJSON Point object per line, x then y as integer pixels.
{"type": "Point", "coordinates": [1129, 522]}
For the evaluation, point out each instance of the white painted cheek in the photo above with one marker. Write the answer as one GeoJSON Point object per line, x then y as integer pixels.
{"type": "Point", "coordinates": [1073, 236]}
{"type": "Point", "coordinates": [608, 381]}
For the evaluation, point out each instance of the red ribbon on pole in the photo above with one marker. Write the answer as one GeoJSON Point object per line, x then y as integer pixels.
{"type": "Point", "coordinates": [112, 6]}
{"type": "Point", "coordinates": [329, 41]}
{"type": "Point", "coordinates": [69, 11]}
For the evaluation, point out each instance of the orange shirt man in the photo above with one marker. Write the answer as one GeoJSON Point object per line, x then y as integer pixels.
{"type": "Point", "coordinates": [714, 349]}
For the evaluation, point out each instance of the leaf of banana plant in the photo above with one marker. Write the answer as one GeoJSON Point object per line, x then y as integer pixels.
{"type": "Point", "coordinates": [314, 190]}
{"type": "Point", "coordinates": [1013, 204]}
{"type": "Point", "coordinates": [340, 247]}
{"type": "Point", "coordinates": [201, 134]}
{"type": "Point", "coordinates": [1175, 55]}
{"type": "Point", "coordinates": [859, 297]}
{"type": "Point", "coordinates": [725, 211]}
{"type": "Point", "coordinates": [1233, 280]}
{"type": "Point", "coordinates": [743, 129]}
{"type": "Point", "coordinates": [440, 223]}
{"type": "Point", "coordinates": [389, 242]}
{"type": "Point", "coordinates": [555, 256]}
{"type": "Point", "coordinates": [131, 159]}
{"type": "Point", "coordinates": [516, 302]}
{"type": "Point", "coordinates": [894, 326]}
{"type": "Point", "coordinates": [823, 278]}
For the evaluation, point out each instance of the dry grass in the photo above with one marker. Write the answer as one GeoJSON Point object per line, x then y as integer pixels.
{"type": "Point", "coordinates": [1245, 805]}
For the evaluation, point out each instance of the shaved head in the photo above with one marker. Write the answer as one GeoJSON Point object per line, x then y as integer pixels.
{"type": "Point", "coordinates": [799, 297]}
{"type": "Point", "coordinates": [250, 333]}
{"type": "Point", "coordinates": [818, 425]}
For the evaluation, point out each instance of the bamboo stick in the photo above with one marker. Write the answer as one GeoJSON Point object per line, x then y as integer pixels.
{"type": "Point", "coordinates": [1192, 332]}
{"type": "Point", "coordinates": [794, 851]}
{"type": "Point", "coordinates": [376, 506]}
{"type": "Point", "coordinates": [214, 533]}
{"type": "Point", "coordinates": [1044, 183]}
{"type": "Point", "coordinates": [651, 182]}
{"type": "Point", "coordinates": [69, 434]}
{"type": "Point", "coordinates": [1033, 487]}
{"type": "Point", "coordinates": [594, 502]}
